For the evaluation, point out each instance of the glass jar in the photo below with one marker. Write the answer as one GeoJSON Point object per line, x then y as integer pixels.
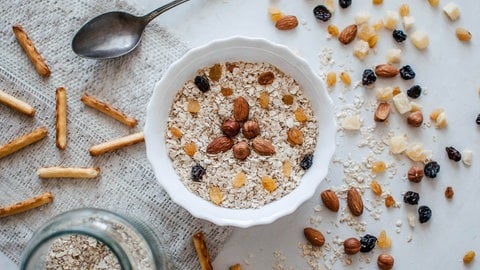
{"type": "Point", "coordinates": [132, 243]}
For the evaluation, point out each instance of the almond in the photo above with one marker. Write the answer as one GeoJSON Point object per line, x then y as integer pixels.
{"type": "Point", "coordinates": [230, 127]}
{"type": "Point", "coordinates": [219, 144]}
{"type": "Point", "coordinates": [348, 34]}
{"type": "Point", "coordinates": [315, 237]}
{"type": "Point", "coordinates": [263, 147]}
{"type": "Point", "coordinates": [354, 202]}
{"type": "Point", "coordinates": [386, 71]}
{"type": "Point", "coordinates": [382, 112]}
{"type": "Point", "coordinates": [241, 109]}
{"type": "Point", "coordinates": [330, 200]}
{"type": "Point", "coordinates": [287, 23]}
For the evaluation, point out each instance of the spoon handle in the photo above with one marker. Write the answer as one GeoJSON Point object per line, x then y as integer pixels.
{"type": "Point", "coordinates": [152, 15]}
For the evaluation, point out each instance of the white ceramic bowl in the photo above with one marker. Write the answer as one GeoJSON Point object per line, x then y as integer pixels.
{"type": "Point", "coordinates": [230, 50]}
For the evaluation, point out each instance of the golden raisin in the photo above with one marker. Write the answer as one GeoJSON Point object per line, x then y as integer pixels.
{"type": "Point", "coordinates": [193, 106]}
{"type": "Point", "coordinates": [396, 90]}
{"type": "Point", "coordinates": [378, 25]}
{"type": "Point", "coordinates": [268, 183]}
{"type": "Point", "coordinates": [372, 41]}
{"type": "Point", "coordinates": [389, 201]}
{"type": "Point", "coordinates": [376, 188]}
{"type": "Point", "coordinates": [433, 3]}
{"type": "Point", "coordinates": [264, 100]}
{"type": "Point", "coordinates": [379, 167]}
{"type": "Point", "coordinates": [287, 168]}
{"type": "Point", "coordinates": [404, 10]}
{"type": "Point", "coordinates": [215, 72]}
{"type": "Point", "coordinates": [295, 136]}
{"type": "Point", "coordinates": [216, 195]}
{"type": "Point", "coordinates": [468, 257]}
{"type": "Point", "coordinates": [266, 78]}
{"type": "Point", "coordinates": [226, 91]}
{"type": "Point", "coordinates": [345, 77]}
{"type": "Point", "coordinates": [332, 30]}
{"type": "Point", "coordinates": [365, 32]}
{"type": "Point", "coordinates": [239, 180]}
{"type": "Point", "coordinates": [449, 192]}
{"type": "Point", "coordinates": [300, 115]}
{"type": "Point", "coordinates": [287, 99]}
{"type": "Point", "coordinates": [190, 149]}
{"type": "Point", "coordinates": [176, 132]}
{"type": "Point", "coordinates": [275, 14]}
{"type": "Point", "coordinates": [331, 78]}
{"type": "Point", "coordinates": [383, 241]}
{"type": "Point", "coordinates": [377, 2]}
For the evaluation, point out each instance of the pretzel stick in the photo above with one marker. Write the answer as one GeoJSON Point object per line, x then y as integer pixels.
{"type": "Point", "coordinates": [116, 144]}
{"type": "Point", "coordinates": [26, 205]}
{"type": "Point", "coordinates": [16, 104]}
{"type": "Point", "coordinates": [31, 51]}
{"type": "Point", "coordinates": [22, 141]}
{"type": "Point", "coordinates": [61, 172]}
{"type": "Point", "coordinates": [61, 112]}
{"type": "Point", "coordinates": [202, 251]}
{"type": "Point", "coordinates": [108, 110]}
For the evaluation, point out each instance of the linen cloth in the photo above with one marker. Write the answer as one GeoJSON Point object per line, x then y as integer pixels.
{"type": "Point", "coordinates": [127, 183]}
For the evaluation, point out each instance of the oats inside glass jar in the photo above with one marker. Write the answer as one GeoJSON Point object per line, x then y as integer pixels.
{"type": "Point", "coordinates": [239, 143]}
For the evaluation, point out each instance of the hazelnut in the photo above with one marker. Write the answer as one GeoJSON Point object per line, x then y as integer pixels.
{"type": "Point", "coordinates": [385, 261]}
{"type": "Point", "coordinates": [241, 150]}
{"type": "Point", "coordinates": [230, 127]}
{"type": "Point", "coordinates": [250, 129]}
{"type": "Point", "coordinates": [415, 174]}
{"type": "Point", "coordinates": [415, 119]}
{"type": "Point", "coordinates": [351, 246]}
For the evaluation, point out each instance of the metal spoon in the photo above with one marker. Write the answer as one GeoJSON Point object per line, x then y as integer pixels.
{"type": "Point", "coordinates": [114, 33]}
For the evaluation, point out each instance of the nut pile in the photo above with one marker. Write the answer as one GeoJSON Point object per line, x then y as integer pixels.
{"type": "Point", "coordinates": [241, 134]}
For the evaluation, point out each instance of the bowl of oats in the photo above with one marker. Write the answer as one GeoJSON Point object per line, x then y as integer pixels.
{"type": "Point", "coordinates": [240, 131]}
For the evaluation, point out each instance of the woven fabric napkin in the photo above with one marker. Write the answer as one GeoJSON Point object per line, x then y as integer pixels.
{"type": "Point", "coordinates": [127, 183]}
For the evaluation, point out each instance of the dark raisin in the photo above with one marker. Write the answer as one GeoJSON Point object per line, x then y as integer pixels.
{"type": "Point", "coordinates": [322, 13]}
{"type": "Point", "coordinates": [414, 91]}
{"type": "Point", "coordinates": [478, 119]}
{"type": "Point", "coordinates": [307, 161]}
{"type": "Point", "coordinates": [197, 172]}
{"type": "Point", "coordinates": [399, 35]}
{"type": "Point", "coordinates": [202, 83]}
{"type": "Point", "coordinates": [368, 77]}
{"type": "Point", "coordinates": [453, 153]}
{"type": "Point", "coordinates": [344, 3]}
{"type": "Point", "coordinates": [424, 213]}
{"type": "Point", "coordinates": [367, 243]}
{"type": "Point", "coordinates": [411, 197]}
{"type": "Point", "coordinates": [431, 169]}
{"type": "Point", "coordinates": [407, 73]}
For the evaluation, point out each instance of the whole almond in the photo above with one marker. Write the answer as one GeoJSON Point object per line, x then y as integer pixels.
{"type": "Point", "coordinates": [241, 109]}
{"type": "Point", "coordinates": [348, 34]}
{"type": "Point", "coordinates": [287, 23]}
{"type": "Point", "coordinates": [354, 202]}
{"type": "Point", "coordinates": [415, 119]}
{"type": "Point", "coordinates": [315, 237]}
{"type": "Point", "coordinates": [351, 246]}
{"type": "Point", "coordinates": [330, 200]}
{"type": "Point", "coordinates": [220, 144]}
{"type": "Point", "coordinates": [386, 71]}
{"type": "Point", "coordinates": [385, 261]}
{"type": "Point", "coordinates": [382, 112]}
{"type": "Point", "coordinates": [263, 146]}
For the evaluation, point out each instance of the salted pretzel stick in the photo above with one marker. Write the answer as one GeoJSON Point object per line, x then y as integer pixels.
{"type": "Point", "coordinates": [108, 110]}
{"type": "Point", "coordinates": [31, 51]}
{"type": "Point", "coordinates": [61, 112]}
{"type": "Point", "coordinates": [116, 144]}
{"type": "Point", "coordinates": [62, 172]}
{"type": "Point", "coordinates": [26, 205]}
{"type": "Point", "coordinates": [202, 251]}
{"type": "Point", "coordinates": [22, 141]}
{"type": "Point", "coordinates": [16, 104]}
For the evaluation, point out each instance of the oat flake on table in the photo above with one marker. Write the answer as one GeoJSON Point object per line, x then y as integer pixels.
{"type": "Point", "coordinates": [202, 127]}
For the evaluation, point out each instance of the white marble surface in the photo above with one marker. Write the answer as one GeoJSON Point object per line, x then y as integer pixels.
{"type": "Point", "coordinates": [448, 69]}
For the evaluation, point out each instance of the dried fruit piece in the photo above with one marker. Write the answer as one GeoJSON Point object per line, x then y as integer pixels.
{"type": "Point", "coordinates": [367, 243]}
{"type": "Point", "coordinates": [453, 153]}
{"type": "Point", "coordinates": [385, 261]}
{"type": "Point", "coordinates": [383, 241]}
{"type": "Point", "coordinates": [197, 172]}
{"type": "Point", "coordinates": [351, 122]}
{"type": "Point", "coordinates": [219, 144]}
{"type": "Point", "coordinates": [322, 13]}
{"type": "Point", "coordinates": [269, 184]}
{"type": "Point", "coordinates": [263, 147]}
{"type": "Point", "coordinates": [463, 34]}
{"type": "Point", "coordinates": [354, 202]}
{"type": "Point", "coordinates": [295, 136]}
{"type": "Point", "coordinates": [344, 3]}
{"type": "Point", "coordinates": [287, 99]}
{"type": "Point", "coordinates": [216, 195]}
{"type": "Point", "coordinates": [382, 112]}
{"type": "Point", "coordinates": [331, 78]}
{"type": "Point", "coordinates": [345, 77]}
{"type": "Point", "coordinates": [368, 77]}
{"type": "Point", "coordinates": [399, 35]}
{"type": "Point", "coordinates": [372, 41]}
{"type": "Point", "coordinates": [384, 93]}
{"type": "Point", "coordinates": [467, 156]}
{"type": "Point", "coordinates": [417, 152]}
{"type": "Point", "coordinates": [315, 237]}
{"type": "Point", "coordinates": [241, 150]}
{"type": "Point", "coordinates": [190, 149]}
{"type": "Point", "coordinates": [176, 132]}
{"type": "Point", "coordinates": [402, 104]}
{"type": "Point", "coordinates": [275, 14]}
{"type": "Point", "coordinates": [300, 115]}
{"type": "Point", "coordinates": [377, 2]}
{"type": "Point", "coordinates": [398, 144]}
{"type": "Point", "coordinates": [433, 3]}
{"type": "Point", "coordinates": [266, 78]}
{"type": "Point", "coordinates": [202, 83]}
{"type": "Point", "coordinates": [420, 39]}
{"type": "Point", "coordinates": [241, 109]}
{"type": "Point", "coordinates": [193, 106]}
{"type": "Point", "coordinates": [361, 49]}
{"type": "Point", "coordinates": [332, 30]}
{"type": "Point", "coordinates": [424, 213]}
{"type": "Point", "coordinates": [230, 127]}
{"type": "Point", "coordinates": [288, 22]}
{"type": "Point", "coordinates": [226, 91]}
{"type": "Point", "coordinates": [379, 166]}
{"type": "Point", "coordinates": [264, 100]}
{"type": "Point", "coordinates": [468, 257]}
{"type": "Point", "coordinates": [389, 201]}
{"type": "Point", "coordinates": [376, 188]}
{"type": "Point", "coordinates": [307, 161]}
{"type": "Point", "coordinates": [404, 10]}
{"type": "Point", "coordinates": [348, 34]}
{"type": "Point", "coordinates": [391, 19]}
{"type": "Point", "coordinates": [411, 197]}
{"type": "Point", "coordinates": [431, 169]}
{"type": "Point", "coordinates": [449, 192]}
{"type": "Point", "coordinates": [330, 200]}
{"type": "Point", "coordinates": [230, 66]}
{"type": "Point", "coordinates": [351, 246]}
{"type": "Point", "coordinates": [239, 180]}
{"type": "Point", "coordinates": [452, 11]}
{"type": "Point", "coordinates": [250, 129]}
{"type": "Point", "coordinates": [407, 73]}
{"type": "Point", "coordinates": [215, 72]}
{"type": "Point", "coordinates": [287, 168]}
{"type": "Point", "coordinates": [414, 91]}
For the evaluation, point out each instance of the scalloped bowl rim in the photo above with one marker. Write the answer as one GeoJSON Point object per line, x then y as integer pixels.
{"type": "Point", "coordinates": [248, 50]}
